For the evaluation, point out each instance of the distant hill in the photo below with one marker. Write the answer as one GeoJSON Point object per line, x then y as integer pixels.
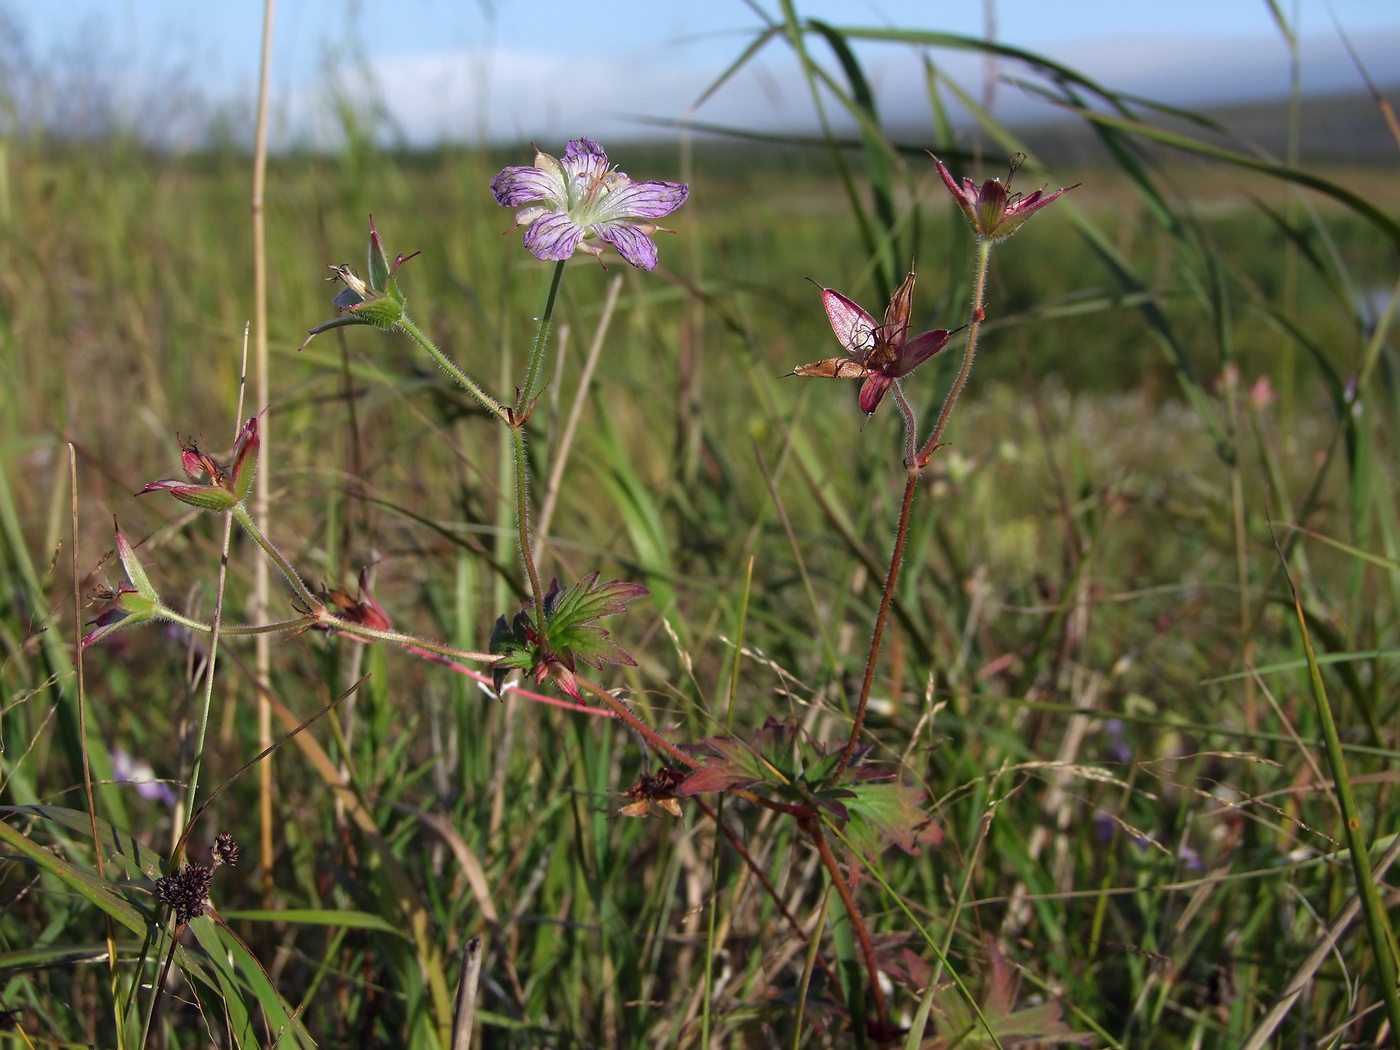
{"type": "Point", "coordinates": [1343, 129]}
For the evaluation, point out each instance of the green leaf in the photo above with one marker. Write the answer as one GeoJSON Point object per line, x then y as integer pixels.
{"type": "Point", "coordinates": [736, 765]}
{"type": "Point", "coordinates": [358, 920]}
{"type": "Point", "coordinates": [98, 891]}
{"type": "Point", "coordinates": [889, 811]}
{"type": "Point", "coordinates": [960, 1028]}
{"type": "Point", "coordinates": [138, 859]}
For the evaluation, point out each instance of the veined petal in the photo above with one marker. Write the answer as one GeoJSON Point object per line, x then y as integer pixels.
{"type": "Point", "coordinates": [585, 151]}
{"type": "Point", "coordinates": [585, 167]}
{"type": "Point", "coordinates": [872, 392]}
{"type": "Point", "coordinates": [630, 242]}
{"type": "Point", "coordinates": [553, 237]}
{"type": "Point", "coordinates": [643, 200]}
{"type": "Point", "coordinates": [854, 327]}
{"type": "Point", "coordinates": [918, 350]}
{"type": "Point", "coordinates": [518, 184]}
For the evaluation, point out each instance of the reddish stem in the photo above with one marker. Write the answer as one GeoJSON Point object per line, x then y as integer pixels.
{"type": "Point", "coordinates": [814, 828]}
{"type": "Point", "coordinates": [880, 619]}
{"type": "Point", "coordinates": [650, 735]}
{"type": "Point", "coordinates": [915, 464]}
{"type": "Point", "coordinates": [768, 886]}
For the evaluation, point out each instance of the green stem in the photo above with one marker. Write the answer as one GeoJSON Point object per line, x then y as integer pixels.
{"type": "Point", "coordinates": [984, 254]}
{"type": "Point", "coordinates": [532, 374]}
{"type": "Point", "coordinates": [462, 379]}
{"type": "Point", "coordinates": [242, 630]}
{"type": "Point", "coordinates": [214, 634]}
{"type": "Point", "coordinates": [1378, 927]}
{"type": "Point", "coordinates": [303, 591]}
{"type": "Point", "coordinates": [522, 523]}
{"type": "Point", "coordinates": [408, 641]}
{"type": "Point", "coordinates": [524, 399]}
{"type": "Point", "coordinates": [911, 426]}
{"type": "Point", "coordinates": [330, 622]}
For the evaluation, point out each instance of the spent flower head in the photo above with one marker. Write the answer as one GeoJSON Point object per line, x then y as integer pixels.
{"type": "Point", "coordinates": [135, 600]}
{"type": "Point", "coordinates": [993, 210]}
{"type": "Point", "coordinates": [880, 353]}
{"type": "Point", "coordinates": [569, 202]}
{"type": "Point", "coordinates": [378, 301]}
{"type": "Point", "coordinates": [225, 850]}
{"type": "Point", "coordinates": [363, 609]}
{"type": "Point", "coordinates": [213, 484]}
{"type": "Point", "coordinates": [186, 891]}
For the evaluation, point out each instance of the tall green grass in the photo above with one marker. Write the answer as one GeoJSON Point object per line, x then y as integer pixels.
{"type": "Point", "coordinates": [1095, 667]}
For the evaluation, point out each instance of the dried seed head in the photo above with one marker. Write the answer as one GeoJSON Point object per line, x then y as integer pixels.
{"type": "Point", "coordinates": [185, 892]}
{"type": "Point", "coordinates": [225, 850]}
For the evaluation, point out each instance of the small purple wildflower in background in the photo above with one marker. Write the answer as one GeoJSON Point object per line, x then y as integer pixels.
{"type": "Point", "coordinates": [1115, 741]}
{"type": "Point", "coordinates": [138, 773]}
{"type": "Point", "coordinates": [994, 212]}
{"type": "Point", "coordinates": [880, 353]}
{"type": "Point", "coordinates": [569, 202]}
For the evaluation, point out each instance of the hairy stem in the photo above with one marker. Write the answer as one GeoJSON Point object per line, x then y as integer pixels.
{"type": "Point", "coordinates": [984, 254]}
{"type": "Point", "coordinates": [914, 464]}
{"type": "Point", "coordinates": [522, 524]}
{"type": "Point", "coordinates": [303, 591]}
{"type": "Point", "coordinates": [241, 630]}
{"type": "Point", "coordinates": [911, 425]}
{"type": "Point", "coordinates": [657, 742]}
{"type": "Point", "coordinates": [461, 378]}
{"type": "Point", "coordinates": [215, 633]}
{"type": "Point", "coordinates": [881, 618]}
{"type": "Point", "coordinates": [524, 400]}
{"type": "Point", "coordinates": [532, 373]}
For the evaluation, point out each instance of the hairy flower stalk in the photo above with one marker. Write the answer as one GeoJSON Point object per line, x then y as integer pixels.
{"type": "Point", "coordinates": [568, 205]}
{"type": "Point", "coordinates": [380, 303]}
{"type": "Point", "coordinates": [994, 215]}
{"type": "Point", "coordinates": [993, 210]}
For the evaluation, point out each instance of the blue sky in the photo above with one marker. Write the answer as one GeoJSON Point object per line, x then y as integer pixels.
{"type": "Point", "coordinates": [509, 68]}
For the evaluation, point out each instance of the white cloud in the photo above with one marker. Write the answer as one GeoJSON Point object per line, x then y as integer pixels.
{"type": "Point", "coordinates": [517, 95]}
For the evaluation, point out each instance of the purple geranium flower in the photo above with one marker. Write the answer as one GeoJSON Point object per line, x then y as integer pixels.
{"type": "Point", "coordinates": [571, 201]}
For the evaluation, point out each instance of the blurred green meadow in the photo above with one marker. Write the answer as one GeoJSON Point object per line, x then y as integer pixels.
{"type": "Point", "coordinates": [1095, 669]}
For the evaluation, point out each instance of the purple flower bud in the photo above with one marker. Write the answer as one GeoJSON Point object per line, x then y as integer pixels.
{"type": "Point", "coordinates": [134, 601]}
{"type": "Point", "coordinates": [994, 212]}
